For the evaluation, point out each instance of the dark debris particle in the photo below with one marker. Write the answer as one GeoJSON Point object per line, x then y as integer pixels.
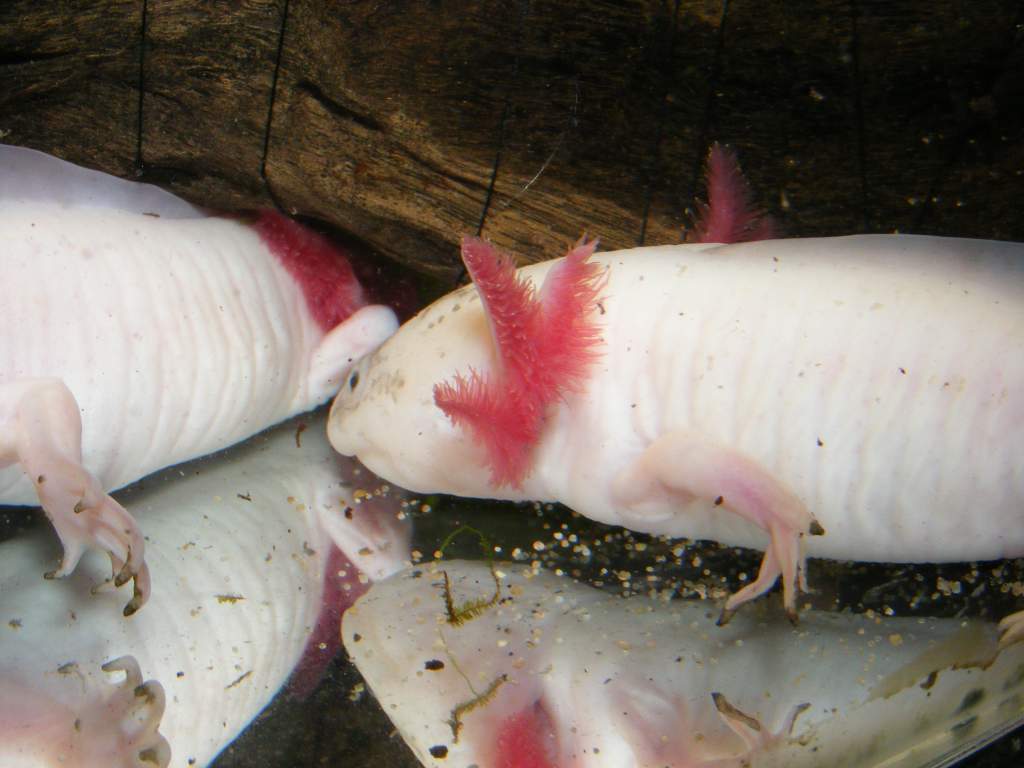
{"type": "Point", "coordinates": [348, 513]}
{"type": "Point", "coordinates": [439, 751]}
{"type": "Point", "coordinates": [433, 665]}
{"type": "Point", "coordinates": [356, 637]}
{"type": "Point", "coordinates": [719, 500]}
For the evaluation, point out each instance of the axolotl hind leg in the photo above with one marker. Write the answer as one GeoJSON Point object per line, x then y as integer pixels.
{"type": "Point", "coordinates": [688, 468]}
{"type": "Point", "coordinates": [41, 430]}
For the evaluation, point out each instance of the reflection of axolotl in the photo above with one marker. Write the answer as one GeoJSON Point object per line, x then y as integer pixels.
{"type": "Point", "coordinates": [867, 388]}
{"type": "Point", "coordinates": [139, 332]}
{"type": "Point", "coordinates": [522, 669]}
{"type": "Point", "coordinates": [257, 553]}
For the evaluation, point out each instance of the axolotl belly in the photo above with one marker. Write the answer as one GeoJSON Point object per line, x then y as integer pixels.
{"type": "Point", "coordinates": [866, 389]}
{"type": "Point", "coordinates": [139, 332]}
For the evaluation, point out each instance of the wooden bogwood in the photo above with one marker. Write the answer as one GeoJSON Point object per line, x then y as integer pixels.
{"type": "Point", "coordinates": [409, 124]}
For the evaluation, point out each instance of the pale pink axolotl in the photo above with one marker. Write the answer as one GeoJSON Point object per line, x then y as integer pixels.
{"type": "Point", "coordinates": [139, 332]}
{"type": "Point", "coordinates": [867, 388]}
{"type": "Point", "coordinates": [547, 673]}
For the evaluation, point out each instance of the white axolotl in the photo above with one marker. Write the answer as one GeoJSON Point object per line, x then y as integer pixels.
{"type": "Point", "coordinates": [139, 332]}
{"type": "Point", "coordinates": [867, 388]}
{"type": "Point", "coordinates": [518, 668]}
{"type": "Point", "coordinates": [249, 545]}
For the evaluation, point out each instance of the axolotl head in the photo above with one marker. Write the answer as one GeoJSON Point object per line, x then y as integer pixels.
{"type": "Point", "coordinates": [385, 413]}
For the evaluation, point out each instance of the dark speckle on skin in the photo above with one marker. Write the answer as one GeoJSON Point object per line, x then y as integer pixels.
{"type": "Point", "coordinates": [356, 637]}
{"type": "Point", "coordinates": [439, 751]}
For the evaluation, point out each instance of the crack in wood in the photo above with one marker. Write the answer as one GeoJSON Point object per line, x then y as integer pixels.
{"type": "Point", "coordinates": [659, 133]}
{"type": "Point", "coordinates": [142, 87]}
{"type": "Point", "coordinates": [338, 109]}
{"type": "Point", "coordinates": [270, 107]}
{"type": "Point", "coordinates": [21, 58]}
{"type": "Point", "coordinates": [506, 109]}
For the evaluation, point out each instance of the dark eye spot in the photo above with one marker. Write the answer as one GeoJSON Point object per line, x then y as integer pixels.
{"type": "Point", "coordinates": [353, 381]}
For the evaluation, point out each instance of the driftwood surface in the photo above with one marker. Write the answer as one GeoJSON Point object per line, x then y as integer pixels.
{"type": "Point", "coordinates": [410, 124]}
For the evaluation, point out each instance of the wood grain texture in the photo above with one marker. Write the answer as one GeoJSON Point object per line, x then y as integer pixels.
{"type": "Point", "coordinates": [408, 124]}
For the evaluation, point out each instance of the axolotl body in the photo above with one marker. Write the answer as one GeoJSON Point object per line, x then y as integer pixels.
{"type": "Point", "coordinates": [853, 397]}
{"type": "Point", "coordinates": [140, 332]}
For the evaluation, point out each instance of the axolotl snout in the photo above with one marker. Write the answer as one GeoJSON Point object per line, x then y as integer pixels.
{"type": "Point", "coordinates": [853, 397]}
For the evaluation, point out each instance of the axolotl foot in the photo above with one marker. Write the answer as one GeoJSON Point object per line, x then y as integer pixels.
{"type": "Point", "coordinates": [42, 432]}
{"type": "Point", "coordinates": [89, 720]}
{"type": "Point", "coordinates": [685, 468]}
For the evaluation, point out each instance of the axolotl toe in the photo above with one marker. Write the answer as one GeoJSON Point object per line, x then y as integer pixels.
{"type": "Point", "coordinates": [139, 332]}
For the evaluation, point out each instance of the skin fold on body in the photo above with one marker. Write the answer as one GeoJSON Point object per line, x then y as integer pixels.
{"type": "Point", "coordinates": [140, 332]}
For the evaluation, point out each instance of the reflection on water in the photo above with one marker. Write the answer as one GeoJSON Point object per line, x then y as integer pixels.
{"type": "Point", "coordinates": [219, 659]}
{"type": "Point", "coordinates": [474, 660]}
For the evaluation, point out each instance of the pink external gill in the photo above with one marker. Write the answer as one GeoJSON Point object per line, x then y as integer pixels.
{"type": "Point", "coordinates": [545, 346]}
{"type": "Point", "coordinates": [321, 270]}
{"type": "Point", "coordinates": [729, 216]}
{"type": "Point", "coordinates": [526, 740]}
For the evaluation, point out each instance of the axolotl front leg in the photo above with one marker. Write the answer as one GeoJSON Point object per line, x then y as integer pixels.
{"type": "Point", "coordinates": [41, 431]}
{"type": "Point", "coordinates": [688, 468]}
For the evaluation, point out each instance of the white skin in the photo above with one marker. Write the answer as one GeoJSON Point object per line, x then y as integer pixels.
{"type": "Point", "coordinates": [139, 333]}
{"type": "Point", "coordinates": [643, 683]}
{"type": "Point", "coordinates": [871, 384]}
{"type": "Point", "coordinates": [243, 583]}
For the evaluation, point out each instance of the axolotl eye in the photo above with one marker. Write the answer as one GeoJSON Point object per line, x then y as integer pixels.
{"type": "Point", "coordinates": [353, 381]}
